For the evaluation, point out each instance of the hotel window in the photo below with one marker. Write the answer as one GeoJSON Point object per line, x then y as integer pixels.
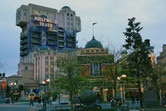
{"type": "Point", "coordinates": [87, 50]}
{"type": "Point", "coordinates": [97, 50]}
{"type": "Point", "coordinates": [46, 62]}
{"type": "Point", "coordinates": [67, 23]}
{"type": "Point", "coordinates": [78, 24]}
{"type": "Point", "coordinates": [24, 13]}
{"type": "Point", "coordinates": [67, 18]}
{"type": "Point", "coordinates": [46, 76]}
{"type": "Point", "coordinates": [26, 67]}
{"type": "Point", "coordinates": [102, 50]}
{"type": "Point", "coordinates": [95, 69]}
{"type": "Point", "coordinates": [71, 19]}
{"type": "Point", "coordinates": [52, 70]}
{"type": "Point", "coordinates": [51, 76]}
{"type": "Point", "coordinates": [67, 14]}
{"type": "Point", "coordinates": [46, 57]}
{"type": "Point", "coordinates": [39, 11]}
{"type": "Point", "coordinates": [71, 15]}
{"type": "Point", "coordinates": [46, 69]}
{"type": "Point", "coordinates": [52, 62]}
{"type": "Point", "coordinates": [92, 50]}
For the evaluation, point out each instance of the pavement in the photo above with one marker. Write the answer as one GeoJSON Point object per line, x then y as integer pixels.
{"type": "Point", "coordinates": [24, 106]}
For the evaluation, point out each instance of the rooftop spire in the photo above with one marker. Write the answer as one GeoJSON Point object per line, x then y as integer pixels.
{"type": "Point", "coordinates": [93, 29]}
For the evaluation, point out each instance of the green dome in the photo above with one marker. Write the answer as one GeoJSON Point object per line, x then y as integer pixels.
{"type": "Point", "coordinates": [65, 7]}
{"type": "Point", "coordinates": [93, 44]}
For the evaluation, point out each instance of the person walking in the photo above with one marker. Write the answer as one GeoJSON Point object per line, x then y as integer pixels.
{"type": "Point", "coordinates": [31, 102]}
{"type": "Point", "coordinates": [50, 100]}
{"type": "Point", "coordinates": [137, 98]}
{"type": "Point", "coordinates": [112, 102]}
{"type": "Point", "coordinates": [39, 100]}
{"type": "Point", "coordinates": [43, 101]}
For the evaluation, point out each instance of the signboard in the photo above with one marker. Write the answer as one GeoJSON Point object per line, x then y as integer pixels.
{"type": "Point", "coordinates": [3, 84]}
{"type": "Point", "coordinates": [45, 22]}
{"type": "Point", "coordinates": [32, 94]}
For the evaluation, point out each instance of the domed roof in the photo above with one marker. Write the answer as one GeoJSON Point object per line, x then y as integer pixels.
{"type": "Point", "coordinates": [93, 44]}
{"type": "Point", "coordinates": [65, 7]}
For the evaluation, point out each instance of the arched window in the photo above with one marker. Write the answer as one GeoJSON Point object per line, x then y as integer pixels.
{"type": "Point", "coordinates": [43, 16]}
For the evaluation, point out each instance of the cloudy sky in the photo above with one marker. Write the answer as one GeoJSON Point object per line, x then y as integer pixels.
{"type": "Point", "coordinates": [111, 17]}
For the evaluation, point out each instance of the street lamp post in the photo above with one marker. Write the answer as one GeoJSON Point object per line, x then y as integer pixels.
{"type": "Point", "coordinates": [46, 81]}
{"type": "Point", "coordinates": [13, 84]}
{"type": "Point", "coordinates": [123, 76]}
{"type": "Point", "coordinates": [119, 78]}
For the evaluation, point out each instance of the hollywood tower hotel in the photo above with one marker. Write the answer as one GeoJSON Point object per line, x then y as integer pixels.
{"type": "Point", "coordinates": [45, 32]}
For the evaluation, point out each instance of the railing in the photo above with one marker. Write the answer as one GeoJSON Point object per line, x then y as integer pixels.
{"type": "Point", "coordinates": [60, 35]}
{"type": "Point", "coordinates": [35, 41]}
{"type": "Point", "coordinates": [60, 45]}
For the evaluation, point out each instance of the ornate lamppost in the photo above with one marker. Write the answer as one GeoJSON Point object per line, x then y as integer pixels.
{"type": "Point", "coordinates": [119, 78]}
{"type": "Point", "coordinates": [46, 81]}
{"type": "Point", "coordinates": [13, 84]}
{"type": "Point", "coordinates": [123, 76]}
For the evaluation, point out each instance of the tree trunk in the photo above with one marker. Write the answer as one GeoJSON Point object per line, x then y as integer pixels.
{"type": "Point", "coordinates": [71, 100]}
{"type": "Point", "coordinates": [109, 93]}
{"type": "Point", "coordinates": [75, 99]}
{"type": "Point", "coordinates": [140, 94]}
{"type": "Point", "coordinates": [115, 91]}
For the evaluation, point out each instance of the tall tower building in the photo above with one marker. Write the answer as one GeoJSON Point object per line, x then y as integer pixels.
{"type": "Point", "coordinates": [46, 27]}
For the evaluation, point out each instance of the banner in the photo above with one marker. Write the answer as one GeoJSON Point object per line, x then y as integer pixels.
{"type": "Point", "coordinates": [3, 84]}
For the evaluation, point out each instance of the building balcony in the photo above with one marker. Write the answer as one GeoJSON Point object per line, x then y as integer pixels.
{"type": "Point", "coordinates": [61, 46]}
{"type": "Point", "coordinates": [23, 48]}
{"type": "Point", "coordinates": [23, 35]}
{"type": "Point", "coordinates": [71, 46]}
{"type": "Point", "coordinates": [71, 41]}
{"type": "Point", "coordinates": [52, 43]}
{"type": "Point", "coordinates": [23, 53]}
{"type": "Point", "coordinates": [23, 42]}
{"type": "Point", "coordinates": [36, 36]}
{"type": "Point", "coordinates": [60, 30]}
{"type": "Point", "coordinates": [60, 35]}
{"type": "Point", "coordinates": [35, 40]}
{"type": "Point", "coordinates": [60, 40]}
{"type": "Point", "coordinates": [51, 31]}
{"type": "Point", "coordinates": [52, 38]}
{"type": "Point", "coordinates": [35, 29]}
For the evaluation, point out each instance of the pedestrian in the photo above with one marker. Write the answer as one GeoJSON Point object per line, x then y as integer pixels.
{"type": "Point", "coordinates": [112, 101]}
{"type": "Point", "coordinates": [31, 102]}
{"type": "Point", "coordinates": [39, 100]}
{"type": "Point", "coordinates": [50, 100]}
{"type": "Point", "coordinates": [133, 99]}
{"type": "Point", "coordinates": [137, 98]}
{"type": "Point", "coordinates": [43, 101]}
{"type": "Point", "coordinates": [98, 98]}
